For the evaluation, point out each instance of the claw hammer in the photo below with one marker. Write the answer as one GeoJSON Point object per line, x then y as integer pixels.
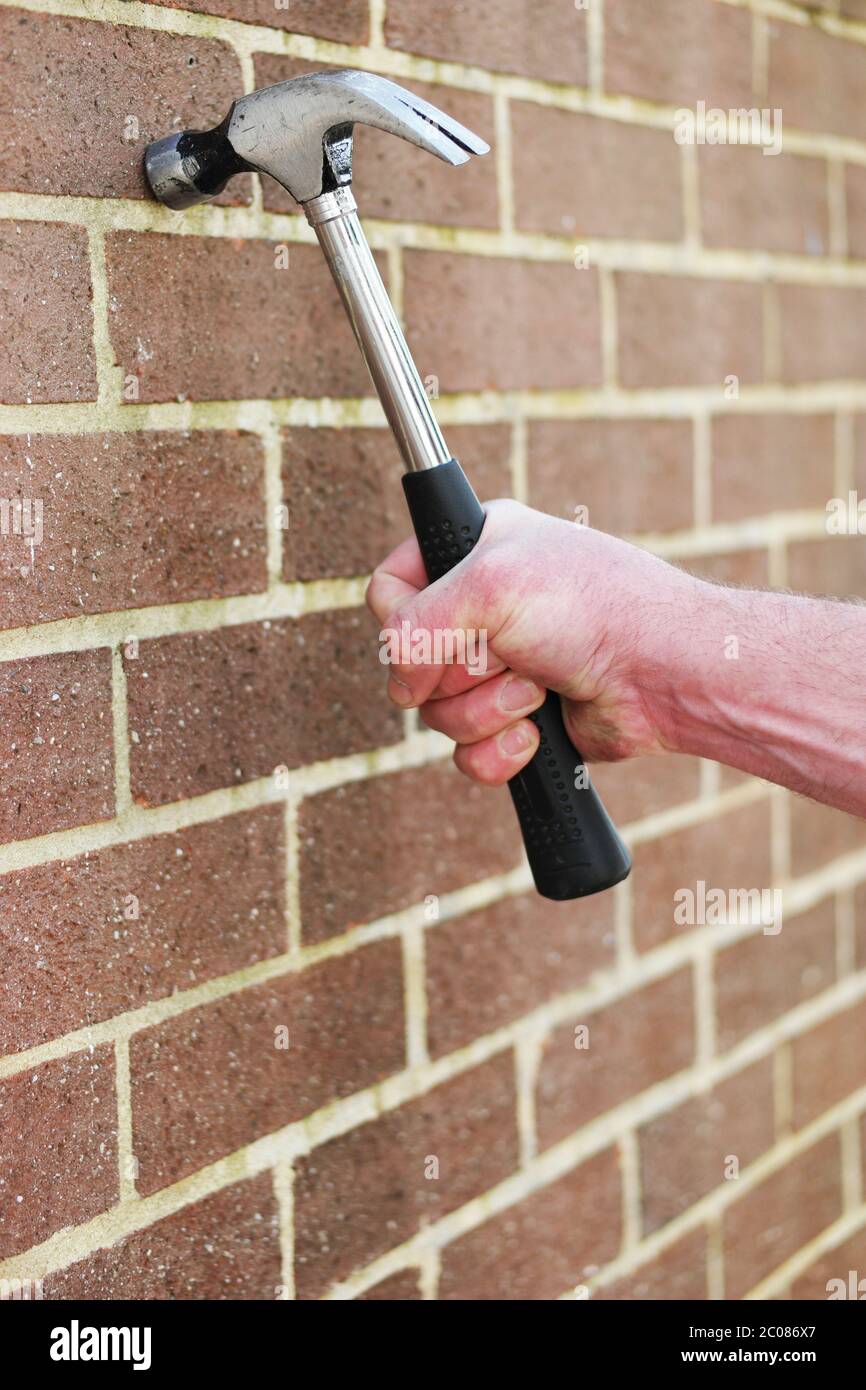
{"type": "Point", "coordinates": [300, 132]}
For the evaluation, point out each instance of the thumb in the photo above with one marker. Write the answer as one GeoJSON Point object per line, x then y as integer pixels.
{"type": "Point", "coordinates": [399, 577]}
{"type": "Point", "coordinates": [427, 630]}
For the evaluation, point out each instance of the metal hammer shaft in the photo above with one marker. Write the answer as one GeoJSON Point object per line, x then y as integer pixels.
{"type": "Point", "coordinates": [335, 220]}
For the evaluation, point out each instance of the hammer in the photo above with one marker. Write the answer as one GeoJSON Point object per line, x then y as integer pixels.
{"type": "Point", "coordinates": [300, 132]}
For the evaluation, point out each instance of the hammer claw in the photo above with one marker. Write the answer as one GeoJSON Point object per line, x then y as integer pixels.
{"type": "Point", "coordinates": [458, 143]}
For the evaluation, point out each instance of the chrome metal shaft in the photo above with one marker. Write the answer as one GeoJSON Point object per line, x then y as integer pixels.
{"type": "Point", "coordinates": [334, 217]}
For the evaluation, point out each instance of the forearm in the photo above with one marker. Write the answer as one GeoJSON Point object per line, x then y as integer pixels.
{"type": "Point", "coordinates": [772, 684]}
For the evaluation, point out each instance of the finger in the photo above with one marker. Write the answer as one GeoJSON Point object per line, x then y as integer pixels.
{"type": "Point", "coordinates": [399, 578]}
{"type": "Point", "coordinates": [484, 711]}
{"type": "Point", "coordinates": [433, 663]}
{"type": "Point", "coordinates": [496, 760]}
{"type": "Point", "coordinates": [457, 679]}
{"type": "Point", "coordinates": [442, 682]}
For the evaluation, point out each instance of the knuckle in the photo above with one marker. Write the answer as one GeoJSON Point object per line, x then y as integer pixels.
{"type": "Point", "coordinates": [482, 583]}
{"type": "Point", "coordinates": [432, 716]}
{"type": "Point", "coordinates": [474, 762]}
{"type": "Point", "coordinates": [404, 617]}
{"type": "Point", "coordinates": [505, 511]}
{"type": "Point", "coordinates": [372, 591]}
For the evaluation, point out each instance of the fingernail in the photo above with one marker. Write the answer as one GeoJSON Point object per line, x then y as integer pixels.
{"type": "Point", "coordinates": [515, 740]}
{"type": "Point", "coordinates": [399, 692]}
{"type": "Point", "coordinates": [518, 694]}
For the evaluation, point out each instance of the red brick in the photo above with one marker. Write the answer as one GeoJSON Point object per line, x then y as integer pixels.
{"type": "Point", "coordinates": [346, 505]}
{"type": "Point", "coordinates": [399, 1288]}
{"type": "Point", "coordinates": [737, 567]}
{"type": "Point", "coordinates": [821, 331]}
{"type": "Point", "coordinates": [731, 851]}
{"type": "Point", "coordinates": [547, 41]}
{"type": "Point", "coordinates": [786, 1211]}
{"type": "Point", "coordinates": [58, 1147]}
{"type": "Point", "coordinates": [817, 80]}
{"type": "Point", "coordinates": [835, 567]}
{"type": "Point", "coordinates": [770, 463]}
{"type": "Point", "coordinates": [478, 323]}
{"type": "Point", "coordinates": [829, 1063]}
{"type": "Point", "coordinates": [678, 1273]}
{"type": "Point", "coordinates": [239, 327]}
{"type": "Point", "coordinates": [641, 786]}
{"type": "Point", "coordinates": [368, 1191]}
{"type": "Point", "coordinates": [130, 520]}
{"type": "Point", "coordinates": [580, 176]}
{"type": "Point", "coordinates": [631, 475]}
{"type": "Point", "coordinates": [209, 901]}
{"type": "Point", "coordinates": [677, 331]}
{"type": "Point", "coordinates": [633, 1043]}
{"type": "Point", "coordinates": [45, 281]}
{"type": "Point", "coordinates": [395, 180]}
{"type": "Point", "coordinates": [346, 23]}
{"type": "Point", "coordinates": [488, 968]}
{"type": "Point", "coordinates": [836, 1264]}
{"type": "Point", "coordinates": [762, 977]}
{"type": "Point", "coordinates": [226, 1246]}
{"type": "Point", "coordinates": [686, 1153]}
{"type": "Point", "coordinates": [212, 709]}
{"type": "Point", "coordinates": [70, 87]}
{"type": "Point", "coordinates": [57, 758]}
{"type": "Point", "coordinates": [855, 192]}
{"type": "Point", "coordinates": [820, 834]}
{"type": "Point", "coordinates": [678, 51]}
{"type": "Point", "coordinates": [543, 1246]}
{"type": "Point", "coordinates": [763, 202]}
{"type": "Point", "coordinates": [211, 1081]}
{"type": "Point", "coordinates": [436, 832]}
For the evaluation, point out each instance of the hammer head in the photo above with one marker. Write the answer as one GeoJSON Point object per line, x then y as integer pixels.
{"type": "Point", "coordinates": [300, 132]}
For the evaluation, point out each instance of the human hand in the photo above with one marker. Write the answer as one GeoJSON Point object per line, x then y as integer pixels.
{"type": "Point", "coordinates": [563, 607]}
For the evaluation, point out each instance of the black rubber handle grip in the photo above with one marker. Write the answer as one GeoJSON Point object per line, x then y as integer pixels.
{"type": "Point", "coordinates": [572, 844]}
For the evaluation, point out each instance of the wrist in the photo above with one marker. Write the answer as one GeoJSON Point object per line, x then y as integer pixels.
{"type": "Point", "coordinates": [690, 660]}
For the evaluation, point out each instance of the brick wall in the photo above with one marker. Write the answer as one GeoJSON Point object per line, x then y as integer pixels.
{"type": "Point", "coordinates": [217, 836]}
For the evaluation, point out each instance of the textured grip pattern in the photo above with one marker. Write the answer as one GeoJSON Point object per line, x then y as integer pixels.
{"type": "Point", "coordinates": [561, 827]}
{"type": "Point", "coordinates": [572, 845]}
{"type": "Point", "coordinates": [443, 546]}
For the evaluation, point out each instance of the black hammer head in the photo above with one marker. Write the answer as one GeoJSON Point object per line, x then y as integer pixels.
{"type": "Point", "coordinates": [300, 132]}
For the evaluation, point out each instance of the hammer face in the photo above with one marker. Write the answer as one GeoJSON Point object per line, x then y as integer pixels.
{"type": "Point", "coordinates": [171, 180]}
{"type": "Point", "coordinates": [300, 132]}
{"type": "Point", "coordinates": [192, 167]}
